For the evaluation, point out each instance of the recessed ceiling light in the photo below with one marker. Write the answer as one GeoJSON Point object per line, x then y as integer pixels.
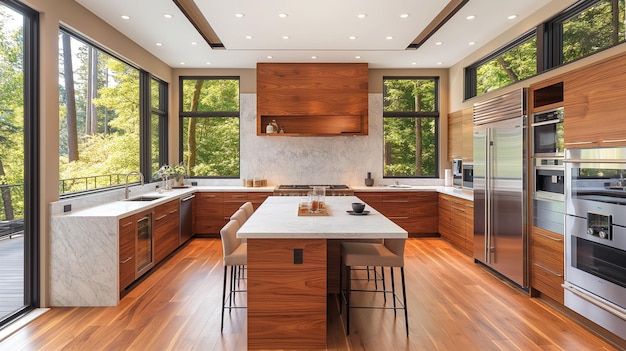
{"type": "Point", "coordinates": [471, 43]}
{"type": "Point", "coordinates": [285, 37]}
{"type": "Point", "coordinates": [361, 15]}
{"type": "Point", "coordinates": [182, 63]}
{"type": "Point", "coordinates": [126, 17]}
{"type": "Point", "coordinates": [239, 15]}
{"type": "Point", "coordinates": [470, 17]}
{"type": "Point", "coordinates": [158, 44]}
{"type": "Point", "coordinates": [270, 57]}
{"type": "Point", "coordinates": [404, 15]}
{"type": "Point", "coordinates": [167, 15]}
{"type": "Point", "coordinates": [194, 43]}
{"type": "Point", "coordinates": [440, 63]}
{"type": "Point", "coordinates": [512, 17]}
{"type": "Point", "coordinates": [282, 15]}
{"type": "Point", "coordinates": [389, 37]}
{"type": "Point", "coordinates": [249, 37]}
{"type": "Point", "coordinates": [314, 57]}
{"type": "Point", "coordinates": [439, 43]}
{"type": "Point", "coordinates": [357, 57]}
{"type": "Point", "coordinates": [353, 37]}
{"type": "Point", "coordinates": [414, 63]}
{"type": "Point", "coordinates": [208, 63]}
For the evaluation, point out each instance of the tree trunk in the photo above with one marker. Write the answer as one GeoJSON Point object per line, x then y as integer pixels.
{"type": "Point", "coordinates": [191, 131]}
{"type": "Point", "coordinates": [507, 70]}
{"type": "Point", "coordinates": [7, 202]}
{"type": "Point", "coordinates": [91, 125]}
{"type": "Point", "coordinates": [70, 100]}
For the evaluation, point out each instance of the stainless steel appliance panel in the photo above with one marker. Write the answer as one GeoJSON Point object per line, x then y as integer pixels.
{"type": "Point", "coordinates": [549, 215]}
{"type": "Point", "coordinates": [457, 172]}
{"type": "Point", "coordinates": [548, 133]}
{"type": "Point", "coordinates": [186, 218]}
{"type": "Point", "coordinates": [500, 239]}
{"type": "Point", "coordinates": [144, 250]}
{"type": "Point", "coordinates": [468, 176]}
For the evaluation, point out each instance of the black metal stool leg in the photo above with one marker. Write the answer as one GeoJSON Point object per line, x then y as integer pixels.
{"type": "Point", "coordinates": [406, 312]}
{"type": "Point", "coordinates": [393, 292]}
{"type": "Point", "coordinates": [223, 297]}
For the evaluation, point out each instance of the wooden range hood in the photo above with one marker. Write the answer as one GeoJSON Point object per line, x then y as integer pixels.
{"type": "Point", "coordinates": [313, 99]}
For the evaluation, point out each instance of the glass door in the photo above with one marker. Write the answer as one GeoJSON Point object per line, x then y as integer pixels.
{"type": "Point", "coordinates": [18, 146]}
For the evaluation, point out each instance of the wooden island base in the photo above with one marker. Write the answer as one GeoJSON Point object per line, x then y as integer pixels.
{"type": "Point", "coordinates": [286, 299]}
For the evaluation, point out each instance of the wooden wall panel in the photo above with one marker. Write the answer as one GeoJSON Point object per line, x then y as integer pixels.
{"type": "Point", "coordinates": [286, 301]}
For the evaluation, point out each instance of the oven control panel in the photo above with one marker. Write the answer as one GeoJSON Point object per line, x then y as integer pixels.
{"type": "Point", "coordinates": [600, 225]}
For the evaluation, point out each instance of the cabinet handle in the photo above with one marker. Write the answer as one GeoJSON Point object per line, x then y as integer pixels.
{"type": "Point", "coordinates": [548, 270]}
{"type": "Point", "coordinates": [581, 143]}
{"type": "Point", "coordinates": [161, 217]}
{"type": "Point", "coordinates": [126, 260]}
{"type": "Point", "coordinates": [173, 211]}
{"type": "Point", "coordinates": [614, 141]}
{"type": "Point", "coordinates": [549, 237]}
{"type": "Point", "coordinates": [188, 198]}
{"type": "Point", "coordinates": [126, 224]}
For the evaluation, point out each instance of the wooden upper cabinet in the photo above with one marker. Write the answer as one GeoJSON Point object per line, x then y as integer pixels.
{"type": "Point", "coordinates": [594, 104]}
{"type": "Point", "coordinates": [313, 99]}
{"type": "Point", "coordinates": [461, 135]}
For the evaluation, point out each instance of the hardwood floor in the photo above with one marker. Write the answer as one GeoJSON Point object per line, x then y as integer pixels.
{"type": "Point", "coordinates": [454, 304]}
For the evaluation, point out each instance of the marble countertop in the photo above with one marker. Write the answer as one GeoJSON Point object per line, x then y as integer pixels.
{"type": "Point", "coordinates": [277, 218]}
{"type": "Point", "coordinates": [461, 193]}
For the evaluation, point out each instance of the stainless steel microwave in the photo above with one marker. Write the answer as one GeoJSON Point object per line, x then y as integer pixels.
{"type": "Point", "coordinates": [457, 172]}
{"type": "Point", "coordinates": [547, 129]}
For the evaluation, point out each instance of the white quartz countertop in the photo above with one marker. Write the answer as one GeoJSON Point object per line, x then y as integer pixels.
{"type": "Point", "coordinates": [461, 193]}
{"type": "Point", "coordinates": [277, 218]}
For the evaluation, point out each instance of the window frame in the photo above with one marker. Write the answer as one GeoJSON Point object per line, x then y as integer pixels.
{"type": "Point", "coordinates": [32, 156]}
{"type": "Point", "coordinates": [436, 114]}
{"type": "Point", "coordinates": [205, 114]}
{"type": "Point", "coordinates": [145, 110]}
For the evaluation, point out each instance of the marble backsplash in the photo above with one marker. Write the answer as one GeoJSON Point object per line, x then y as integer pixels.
{"type": "Point", "coordinates": [315, 160]}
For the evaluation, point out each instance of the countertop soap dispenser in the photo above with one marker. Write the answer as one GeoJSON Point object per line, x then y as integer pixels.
{"type": "Point", "coordinates": [369, 181]}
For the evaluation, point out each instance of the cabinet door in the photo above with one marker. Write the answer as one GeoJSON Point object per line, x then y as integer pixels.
{"type": "Point", "coordinates": [547, 263]}
{"type": "Point", "coordinates": [166, 229]}
{"type": "Point", "coordinates": [396, 207]}
{"type": "Point", "coordinates": [127, 232]}
{"type": "Point", "coordinates": [372, 199]}
{"type": "Point", "coordinates": [232, 202]}
{"type": "Point", "coordinates": [257, 198]}
{"type": "Point", "coordinates": [209, 213]}
{"type": "Point", "coordinates": [455, 135]}
{"type": "Point", "coordinates": [469, 228]}
{"type": "Point", "coordinates": [424, 213]}
{"type": "Point", "coordinates": [457, 223]}
{"type": "Point", "coordinates": [444, 216]}
{"type": "Point", "coordinates": [594, 103]}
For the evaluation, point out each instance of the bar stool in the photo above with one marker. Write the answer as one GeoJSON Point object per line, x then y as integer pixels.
{"type": "Point", "coordinates": [239, 216]}
{"type": "Point", "coordinates": [389, 253]}
{"type": "Point", "coordinates": [247, 206]}
{"type": "Point", "coordinates": [235, 255]}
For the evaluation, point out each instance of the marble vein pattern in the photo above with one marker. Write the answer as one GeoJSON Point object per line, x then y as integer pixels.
{"type": "Point", "coordinates": [84, 261]}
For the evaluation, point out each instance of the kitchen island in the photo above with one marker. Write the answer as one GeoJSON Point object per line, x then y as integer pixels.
{"type": "Point", "coordinates": [287, 258]}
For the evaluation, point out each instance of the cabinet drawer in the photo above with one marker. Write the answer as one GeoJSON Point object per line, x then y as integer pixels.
{"type": "Point", "coordinates": [127, 230]}
{"type": "Point", "coordinates": [547, 250]}
{"type": "Point", "coordinates": [547, 282]}
{"type": "Point", "coordinates": [258, 198]}
{"type": "Point", "coordinates": [164, 213]}
{"type": "Point", "coordinates": [236, 197]}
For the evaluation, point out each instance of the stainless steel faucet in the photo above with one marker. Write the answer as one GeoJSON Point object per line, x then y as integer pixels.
{"type": "Point", "coordinates": [126, 191]}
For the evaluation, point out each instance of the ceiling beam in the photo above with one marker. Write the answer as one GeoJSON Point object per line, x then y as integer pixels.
{"type": "Point", "coordinates": [450, 10]}
{"type": "Point", "coordinates": [194, 15]}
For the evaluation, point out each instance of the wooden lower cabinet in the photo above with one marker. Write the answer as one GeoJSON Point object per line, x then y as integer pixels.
{"type": "Point", "coordinates": [127, 233]}
{"type": "Point", "coordinates": [456, 222]}
{"type": "Point", "coordinates": [212, 210]}
{"type": "Point", "coordinates": [166, 229]}
{"type": "Point", "coordinates": [547, 263]}
{"type": "Point", "coordinates": [286, 301]}
{"type": "Point", "coordinates": [415, 212]}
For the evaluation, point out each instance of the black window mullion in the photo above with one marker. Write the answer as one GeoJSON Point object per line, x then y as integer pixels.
{"type": "Point", "coordinates": [144, 124]}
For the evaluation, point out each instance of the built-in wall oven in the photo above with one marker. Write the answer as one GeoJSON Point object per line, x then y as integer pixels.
{"type": "Point", "coordinates": [548, 133]}
{"type": "Point", "coordinates": [595, 235]}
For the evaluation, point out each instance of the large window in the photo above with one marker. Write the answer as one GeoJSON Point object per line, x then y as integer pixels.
{"type": "Point", "coordinates": [581, 30]}
{"type": "Point", "coordinates": [19, 217]}
{"type": "Point", "coordinates": [411, 124]}
{"type": "Point", "coordinates": [111, 115]}
{"type": "Point", "coordinates": [209, 122]}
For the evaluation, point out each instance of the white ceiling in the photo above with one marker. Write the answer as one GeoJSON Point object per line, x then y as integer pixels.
{"type": "Point", "coordinates": [320, 28]}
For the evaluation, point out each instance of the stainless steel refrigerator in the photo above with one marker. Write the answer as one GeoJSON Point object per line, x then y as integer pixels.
{"type": "Point", "coordinates": [500, 238]}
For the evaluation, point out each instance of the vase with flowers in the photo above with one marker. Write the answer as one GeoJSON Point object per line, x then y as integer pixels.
{"type": "Point", "coordinates": [175, 173]}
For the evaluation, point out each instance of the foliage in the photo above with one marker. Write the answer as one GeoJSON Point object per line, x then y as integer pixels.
{"type": "Point", "coordinates": [514, 65]}
{"type": "Point", "coordinates": [410, 142]}
{"type": "Point", "coordinates": [213, 142]}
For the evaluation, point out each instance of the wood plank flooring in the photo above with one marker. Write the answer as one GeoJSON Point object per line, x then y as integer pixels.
{"type": "Point", "coordinates": [454, 304]}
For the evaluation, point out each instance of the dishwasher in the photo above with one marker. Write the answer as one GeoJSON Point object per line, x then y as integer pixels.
{"type": "Point", "coordinates": [186, 218]}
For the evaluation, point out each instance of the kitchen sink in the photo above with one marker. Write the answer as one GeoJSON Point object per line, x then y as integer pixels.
{"type": "Point", "coordinates": [144, 198]}
{"type": "Point", "coordinates": [402, 186]}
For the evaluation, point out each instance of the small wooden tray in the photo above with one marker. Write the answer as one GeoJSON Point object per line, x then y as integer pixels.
{"type": "Point", "coordinates": [305, 212]}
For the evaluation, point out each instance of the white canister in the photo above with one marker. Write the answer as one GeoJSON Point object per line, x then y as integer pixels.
{"type": "Point", "coordinates": [269, 129]}
{"type": "Point", "coordinates": [447, 177]}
